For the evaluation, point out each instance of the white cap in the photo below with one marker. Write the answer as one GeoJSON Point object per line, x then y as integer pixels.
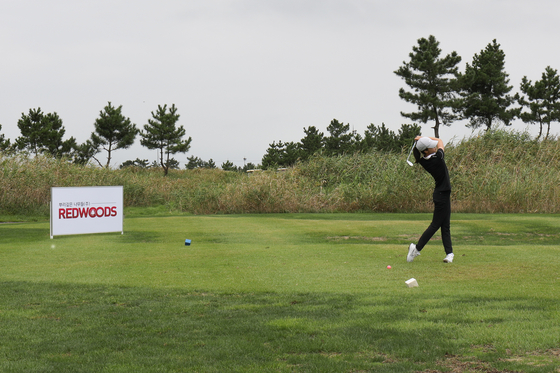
{"type": "Point", "coordinates": [425, 143]}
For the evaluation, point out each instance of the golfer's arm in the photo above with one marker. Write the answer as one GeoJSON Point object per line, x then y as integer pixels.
{"type": "Point", "coordinates": [439, 141]}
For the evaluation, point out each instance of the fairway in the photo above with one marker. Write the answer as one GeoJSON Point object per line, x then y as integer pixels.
{"type": "Point", "coordinates": [282, 293]}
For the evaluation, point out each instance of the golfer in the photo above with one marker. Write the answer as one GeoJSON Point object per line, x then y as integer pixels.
{"type": "Point", "coordinates": [429, 153]}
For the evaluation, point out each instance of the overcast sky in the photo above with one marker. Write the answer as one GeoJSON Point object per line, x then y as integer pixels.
{"type": "Point", "coordinates": [246, 73]}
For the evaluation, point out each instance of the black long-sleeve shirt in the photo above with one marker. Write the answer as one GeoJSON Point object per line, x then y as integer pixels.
{"type": "Point", "coordinates": [436, 166]}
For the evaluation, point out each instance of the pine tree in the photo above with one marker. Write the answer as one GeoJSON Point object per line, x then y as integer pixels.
{"type": "Point", "coordinates": [162, 133]}
{"type": "Point", "coordinates": [432, 80]}
{"type": "Point", "coordinates": [43, 133]}
{"type": "Point", "coordinates": [113, 131]}
{"type": "Point", "coordinates": [379, 138]}
{"type": "Point", "coordinates": [484, 89]}
{"type": "Point", "coordinates": [311, 143]}
{"type": "Point", "coordinates": [281, 154]}
{"type": "Point", "coordinates": [542, 99]}
{"type": "Point", "coordinates": [229, 166]}
{"type": "Point", "coordinates": [341, 140]}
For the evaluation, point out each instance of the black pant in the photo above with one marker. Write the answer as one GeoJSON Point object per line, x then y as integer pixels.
{"type": "Point", "coordinates": [441, 219]}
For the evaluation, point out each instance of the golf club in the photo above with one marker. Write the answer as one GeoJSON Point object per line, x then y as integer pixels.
{"type": "Point", "coordinates": [408, 158]}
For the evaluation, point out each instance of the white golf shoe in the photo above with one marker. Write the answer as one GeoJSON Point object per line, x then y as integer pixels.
{"type": "Point", "coordinates": [412, 253]}
{"type": "Point", "coordinates": [449, 258]}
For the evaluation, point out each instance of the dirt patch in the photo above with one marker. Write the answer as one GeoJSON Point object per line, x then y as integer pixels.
{"type": "Point", "coordinates": [538, 358]}
{"type": "Point", "coordinates": [356, 238]}
{"type": "Point", "coordinates": [465, 364]}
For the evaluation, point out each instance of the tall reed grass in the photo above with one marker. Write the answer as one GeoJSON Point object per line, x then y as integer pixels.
{"type": "Point", "coordinates": [500, 171]}
{"type": "Point", "coordinates": [506, 171]}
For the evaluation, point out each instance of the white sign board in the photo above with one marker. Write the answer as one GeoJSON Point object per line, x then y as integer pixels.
{"type": "Point", "coordinates": [80, 210]}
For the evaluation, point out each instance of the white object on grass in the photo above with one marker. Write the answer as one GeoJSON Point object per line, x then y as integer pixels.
{"type": "Point", "coordinates": [411, 283]}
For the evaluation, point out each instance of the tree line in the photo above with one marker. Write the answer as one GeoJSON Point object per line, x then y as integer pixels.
{"type": "Point", "coordinates": [340, 140]}
{"type": "Point", "coordinates": [481, 94]}
{"type": "Point", "coordinates": [43, 133]}
{"type": "Point", "coordinates": [442, 95]}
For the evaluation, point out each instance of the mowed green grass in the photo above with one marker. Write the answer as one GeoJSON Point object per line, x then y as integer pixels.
{"type": "Point", "coordinates": [282, 293]}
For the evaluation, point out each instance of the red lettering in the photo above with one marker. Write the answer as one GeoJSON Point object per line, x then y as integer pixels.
{"type": "Point", "coordinates": [85, 212]}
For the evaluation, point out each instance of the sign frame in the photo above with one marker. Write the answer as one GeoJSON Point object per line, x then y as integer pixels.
{"type": "Point", "coordinates": [86, 210]}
